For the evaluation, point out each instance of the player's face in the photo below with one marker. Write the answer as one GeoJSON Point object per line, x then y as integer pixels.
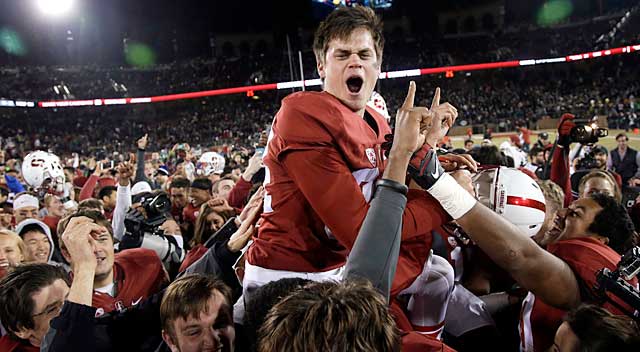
{"type": "Point", "coordinates": [622, 142]}
{"type": "Point", "coordinates": [213, 330]}
{"type": "Point", "coordinates": [350, 69]}
{"type": "Point", "coordinates": [198, 196]}
{"type": "Point", "coordinates": [578, 217]}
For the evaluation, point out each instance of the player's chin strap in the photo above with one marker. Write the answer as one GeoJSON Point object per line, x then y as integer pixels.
{"type": "Point", "coordinates": [425, 169]}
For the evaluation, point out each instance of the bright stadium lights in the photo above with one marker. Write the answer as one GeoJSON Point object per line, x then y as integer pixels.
{"type": "Point", "coordinates": [55, 8]}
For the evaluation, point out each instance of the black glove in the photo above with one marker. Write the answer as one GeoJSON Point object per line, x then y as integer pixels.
{"type": "Point", "coordinates": [424, 167]}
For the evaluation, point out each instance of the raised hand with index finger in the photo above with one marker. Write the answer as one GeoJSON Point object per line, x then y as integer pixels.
{"type": "Point", "coordinates": [409, 121]}
{"type": "Point", "coordinates": [443, 117]}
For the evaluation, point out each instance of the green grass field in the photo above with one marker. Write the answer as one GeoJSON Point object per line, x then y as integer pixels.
{"type": "Point", "coordinates": [609, 142]}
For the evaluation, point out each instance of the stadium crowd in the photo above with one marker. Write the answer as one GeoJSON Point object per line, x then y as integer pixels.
{"type": "Point", "coordinates": [224, 228]}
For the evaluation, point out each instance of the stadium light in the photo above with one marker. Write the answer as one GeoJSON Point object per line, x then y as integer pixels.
{"type": "Point", "coordinates": [55, 8]}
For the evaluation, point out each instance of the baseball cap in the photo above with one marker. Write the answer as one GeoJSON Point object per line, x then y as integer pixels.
{"type": "Point", "coordinates": [161, 170]}
{"type": "Point", "coordinates": [599, 149]}
{"type": "Point", "coordinates": [25, 200]}
{"type": "Point", "coordinates": [140, 187]}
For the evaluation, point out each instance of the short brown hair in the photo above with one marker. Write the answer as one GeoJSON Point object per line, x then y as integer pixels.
{"type": "Point", "coordinates": [341, 23]}
{"type": "Point", "coordinates": [90, 204]}
{"type": "Point", "coordinates": [599, 330]}
{"type": "Point", "coordinates": [330, 316]}
{"type": "Point", "coordinates": [602, 174]}
{"type": "Point", "coordinates": [92, 214]}
{"type": "Point", "coordinates": [16, 291]}
{"type": "Point", "coordinates": [188, 296]}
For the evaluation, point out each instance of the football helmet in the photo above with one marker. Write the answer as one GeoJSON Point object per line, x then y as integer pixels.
{"type": "Point", "coordinates": [42, 172]}
{"type": "Point", "coordinates": [512, 194]}
{"type": "Point", "coordinates": [378, 103]}
{"type": "Point", "coordinates": [209, 163]}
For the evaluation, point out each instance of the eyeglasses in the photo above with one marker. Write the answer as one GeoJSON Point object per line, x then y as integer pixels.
{"type": "Point", "coordinates": [55, 308]}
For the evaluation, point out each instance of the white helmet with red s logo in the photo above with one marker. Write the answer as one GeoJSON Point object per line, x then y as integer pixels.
{"type": "Point", "coordinates": [42, 171]}
{"type": "Point", "coordinates": [514, 195]}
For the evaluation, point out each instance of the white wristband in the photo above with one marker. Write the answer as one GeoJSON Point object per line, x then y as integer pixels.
{"type": "Point", "coordinates": [454, 199]}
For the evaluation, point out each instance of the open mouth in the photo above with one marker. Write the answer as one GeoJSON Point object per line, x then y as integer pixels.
{"type": "Point", "coordinates": [354, 84]}
{"type": "Point", "coordinates": [4, 265]}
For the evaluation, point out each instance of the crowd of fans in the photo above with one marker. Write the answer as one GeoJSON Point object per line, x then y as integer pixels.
{"type": "Point", "coordinates": [215, 226]}
{"type": "Point", "coordinates": [497, 100]}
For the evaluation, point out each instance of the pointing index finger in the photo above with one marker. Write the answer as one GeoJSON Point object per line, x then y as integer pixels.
{"type": "Point", "coordinates": [411, 95]}
{"type": "Point", "coordinates": [436, 98]}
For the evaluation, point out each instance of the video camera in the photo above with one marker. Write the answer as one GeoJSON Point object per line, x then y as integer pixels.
{"type": "Point", "coordinates": [142, 229]}
{"type": "Point", "coordinates": [615, 282]}
{"type": "Point", "coordinates": [587, 131]}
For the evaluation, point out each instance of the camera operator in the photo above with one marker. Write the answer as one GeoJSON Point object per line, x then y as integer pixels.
{"type": "Point", "coordinates": [571, 131]}
{"type": "Point", "coordinates": [144, 221]}
{"type": "Point", "coordinates": [597, 159]}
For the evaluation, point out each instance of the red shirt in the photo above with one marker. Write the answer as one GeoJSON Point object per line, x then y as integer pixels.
{"type": "Point", "coordinates": [190, 213]}
{"type": "Point", "coordinates": [540, 321]}
{"type": "Point", "coordinates": [322, 162]}
{"type": "Point", "coordinates": [52, 222]}
{"type": "Point", "coordinates": [137, 274]}
{"type": "Point", "coordinates": [7, 344]}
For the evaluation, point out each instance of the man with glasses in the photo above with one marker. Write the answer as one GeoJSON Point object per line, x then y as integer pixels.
{"type": "Point", "coordinates": [30, 296]}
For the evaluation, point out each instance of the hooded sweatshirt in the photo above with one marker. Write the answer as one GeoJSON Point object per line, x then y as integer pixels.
{"type": "Point", "coordinates": [44, 228]}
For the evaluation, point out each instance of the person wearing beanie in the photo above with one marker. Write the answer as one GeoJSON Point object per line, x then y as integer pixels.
{"type": "Point", "coordinates": [25, 206]}
{"type": "Point", "coordinates": [199, 193]}
{"type": "Point", "coordinates": [160, 177]}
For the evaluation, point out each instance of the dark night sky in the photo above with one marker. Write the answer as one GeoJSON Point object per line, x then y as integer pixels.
{"type": "Point", "coordinates": [98, 26]}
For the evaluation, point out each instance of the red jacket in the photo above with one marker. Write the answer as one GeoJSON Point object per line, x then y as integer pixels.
{"type": "Point", "coordinates": [138, 274]}
{"type": "Point", "coordinates": [322, 163]}
{"type": "Point", "coordinates": [540, 321]}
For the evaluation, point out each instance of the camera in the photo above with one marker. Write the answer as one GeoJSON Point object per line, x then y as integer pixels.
{"type": "Point", "coordinates": [155, 205]}
{"type": "Point", "coordinates": [587, 163]}
{"type": "Point", "coordinates": [142, 228]}
{"type": "Point", "coordinates": [615, 282]}
{"type": "Point", "coordinates": [587, 132]}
